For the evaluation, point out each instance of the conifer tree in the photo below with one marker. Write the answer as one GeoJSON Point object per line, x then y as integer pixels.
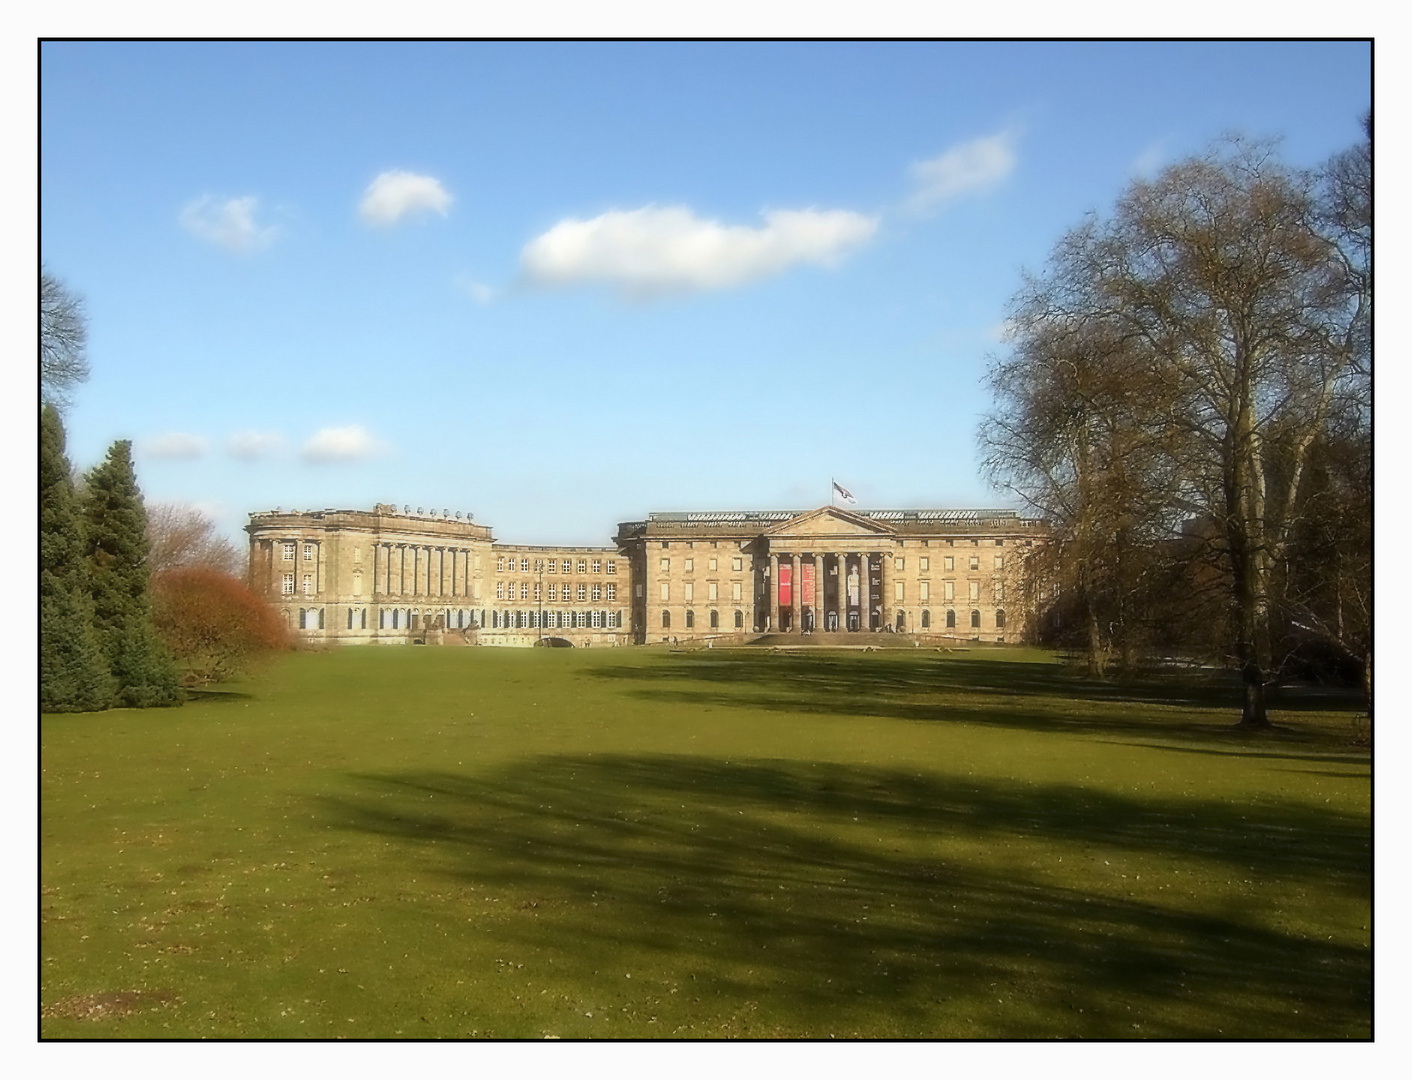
{"type": "Point", "coordinates": [117, 559]}
{"type": "Point", "coordinates": [73, 675]}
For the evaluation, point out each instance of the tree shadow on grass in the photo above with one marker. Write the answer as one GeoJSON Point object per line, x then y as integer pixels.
{"type": "Point", "coordinates": [1020, 695]}
{"type": "Point", "coordinates": [807, 888]}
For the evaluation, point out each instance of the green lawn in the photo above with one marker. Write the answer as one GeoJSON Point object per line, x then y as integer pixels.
{"type": "Point", "coordinates": [634, 843]}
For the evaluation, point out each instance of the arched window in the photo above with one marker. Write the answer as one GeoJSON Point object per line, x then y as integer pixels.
{"type": "Point", "coordinates": [666, 620]}
{"type": "Point", "coordinates": [350, 618]}
{"type": "Point", "coordinates": [951, 620]}
{"type": "Point", "coordinates": [740, 620]}
{"type": "Point", "coordinates": [363, 619]}
{"type": "Point", "coordinates": [975, 620]}
{"type": "Point", "coordinates": [690, 619]}
{"type": "Point", "coordinates": [301, 619]}
{"type": "Point", "coordinates": [715, 619]}
{"type": "Point", "coordinates": [926, 620]}
{"type": "Point", "coordinates": [1000, 619]}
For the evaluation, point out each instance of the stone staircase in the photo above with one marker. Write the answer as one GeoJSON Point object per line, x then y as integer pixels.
{"type": "Point", "coordinates": [837, 640]}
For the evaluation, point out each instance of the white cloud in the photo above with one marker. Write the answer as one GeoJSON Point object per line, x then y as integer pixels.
{"type": "Point", "coordinates": [1150, 161]}
{"type": "Point", "coordinates": [478, 291]}
{"type": "Point", "coordinates": [230, 224]}
{"type": "Point", "coordinates": [968, 168]}
{"type": "Point", "coordinates": [177, 445]}
{"type": "Point", "coordinates": [394, 195]}
{"type": "Point", "coordinates": [351, 443]}
{"type": "Point", "coordinates": [253, 445]}
{"type": "Point", "coordinates": [658, 250]}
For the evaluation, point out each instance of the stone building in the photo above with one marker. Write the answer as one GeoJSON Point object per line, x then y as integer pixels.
{"type": "Point", "coordinates": [381, 576]}
{"type": "Point", "coordinates": [931, 573]}
{"type": "Point", "coordinates": [384, 576]}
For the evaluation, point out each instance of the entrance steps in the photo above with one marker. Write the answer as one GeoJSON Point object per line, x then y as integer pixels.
{"type": "Point", "coordinates": [838, 640]}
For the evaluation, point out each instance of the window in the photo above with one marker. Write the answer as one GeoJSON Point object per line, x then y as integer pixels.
{"type": "Point", "coordinates": [500, 590]}
{"type": "Point", "coordinates": [690, 592]}
{"type": "Point", "coordinates": [948, 562]}
{"type": "Point", "coordinates": [551, 566]}
{"type": "Point", "coordinates": [612, 567]}
{"type": "Point", "coordinates": [975, 562]}
{"type": "Point", "coordinates": [664, 543]}
{"type": "Point", "coordinates": [926, 619]}
{"type": "Point", "coordinates": [597, 591]}
{"type": "Point", "coordinates": [736, 565]}
{"type": "Point", "coordinates": [689, 565]}
{"type": "Point", "coordinates": [583, 566]}
{"type": "Point", "coordinates": [612, 593]}
{"type": "Point", "coordinates": [308, 584]}
{"type": "Point", "coordinates": [975, 620]}
{"type": "Point", "coordinates": [524, 566]}
{"type": "Point", "coordinates": [500, 564]}
{"type": "Point", "coordinates": [666, 563]}
{"type": "Point", "coordinates": [1000, 620]}
{"type": "Point", "coordinates": [1000, 543]}
{"type": "Point", "coordinates": [897, 591]}
{"type": "Point", "coordinates": [923, 564]}
{"type": "Point", "coordinates": [690, 619]}
{"type": "Point", "coordinates": [582, 591]}
{"type": "Point", "coordinates": [999, 562]}
{"type": "Point", "coordinates": [735, 591]}
{"type": "Point", "coordinates": [740, 620]}
{"type": "Point", "coordinates": [710, 590]}
{"type": "Point", "coordinates": [357, 585]}
{"type": "Point", "coordinates": [975, 590]}
{"type": "Point", "coordinates": [567, 567]}
{"type": "Point", "coordinates": [999, 592]}
{"type": "Point", "coordinates": [924, 591]}
{"type": "Point", "coordinates": [666, 616]}
{"type": "Point", "coordinates": [899, 563]}
{"type": "Point", "coordinates": [288, 552]}
{"type": "Point", "coordinates": [951, 620]}
{"type": "Point", "coordinates": [948, 590]}
{"type": "Point", "coordinates": [711, 563]}
{"type": "Point", "coordinates": [580, 619]}
{"type": "Point", "coordinates": [664, 590]}
{"type": "Point", "coordinates": [715, 619]}
{"type": "Point", "coordinates": [288, 585]}
{"type": "Point", "coordinates": [597, 566]}
{"type": "Point", "coordinates": [553, 591]}
{"type": "Point", "coordinates": [524, 590]}
{"type": "Point", "coordinates": [597, 619]}
{"type": "Point", "coordinates": [536, 591]}
{"type": "Point", "coordinates": [308, 552]}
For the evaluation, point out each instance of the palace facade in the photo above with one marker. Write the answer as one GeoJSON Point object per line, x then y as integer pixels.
{"type": "Point", "coordinates": [384, 576]}
{"type": "Point", "coordinates": [931, 573]}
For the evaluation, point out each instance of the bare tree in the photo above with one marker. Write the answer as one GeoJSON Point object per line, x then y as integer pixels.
{"type": "Point", "coordinates": [63, 341]}
{"type": "Point", "coordinates": [183, 537]}
{"type": "Point", "coordinates": [1236, 317]}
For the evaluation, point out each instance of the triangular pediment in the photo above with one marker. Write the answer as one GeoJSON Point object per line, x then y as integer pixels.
{"type": "Point", "coordinates": [829, 521]}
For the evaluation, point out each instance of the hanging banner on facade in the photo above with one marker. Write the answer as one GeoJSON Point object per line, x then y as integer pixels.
{"type": "Point", "coordinates": [806, 584]}
{"type": "Point", "coordinates": [786, 595]}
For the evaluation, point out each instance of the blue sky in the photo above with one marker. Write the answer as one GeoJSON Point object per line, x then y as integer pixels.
{"type": "Point", "coordinates": [560, 285]}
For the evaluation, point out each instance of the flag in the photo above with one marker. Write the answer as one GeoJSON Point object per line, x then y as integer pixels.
{"type": "Point", "coordinates": [844, 492]}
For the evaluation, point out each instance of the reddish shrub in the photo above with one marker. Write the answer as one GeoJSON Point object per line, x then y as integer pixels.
{"type": "Point", "coordinates": [212, 623]}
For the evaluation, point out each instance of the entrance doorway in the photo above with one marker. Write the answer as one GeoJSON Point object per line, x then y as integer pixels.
{"type": "Point", "coordinates": [853, 620]}
{"type": "Point", "coordinates": [831, 621]}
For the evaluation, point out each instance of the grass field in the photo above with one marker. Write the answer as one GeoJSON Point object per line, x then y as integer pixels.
{"type": "Point", "coordinates": [638, 843]}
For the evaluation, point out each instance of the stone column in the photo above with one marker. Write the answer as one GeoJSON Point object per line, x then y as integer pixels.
{"type": "Point", "coordinates": [796, 601]}
{"type": "Point", "coordinates": [774, 593]}
{"type": "Point", "coordinates": [818, 598]}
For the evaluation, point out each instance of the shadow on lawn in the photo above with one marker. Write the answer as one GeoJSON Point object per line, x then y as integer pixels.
{"type": "Point", "coordinates": [1017, 694]}
{"type": "Point", "coordinates": [790, 884]}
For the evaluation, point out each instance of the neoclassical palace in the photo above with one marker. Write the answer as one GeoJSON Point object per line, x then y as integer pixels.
{"type": "Point", "coordinates": [396, 577]}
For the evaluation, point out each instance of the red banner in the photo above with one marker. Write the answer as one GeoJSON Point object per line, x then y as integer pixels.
{"type": "Point", "coordinates": [806, 583]}
{"type": "Point", "coordinates": [786, 596]}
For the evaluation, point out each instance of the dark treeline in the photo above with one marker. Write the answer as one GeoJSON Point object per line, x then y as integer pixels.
{"type": "Point", "coordinates": [1188, 400]}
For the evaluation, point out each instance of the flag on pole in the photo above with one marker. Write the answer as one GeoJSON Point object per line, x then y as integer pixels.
{"type": "Point", "coordinates": [843, 492]}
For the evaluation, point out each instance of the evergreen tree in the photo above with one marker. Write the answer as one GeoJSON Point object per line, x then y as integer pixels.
{"type": "Point", "coordinates": [117, 559]}
{"type": "Point", "coordinates": [73, 675]}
